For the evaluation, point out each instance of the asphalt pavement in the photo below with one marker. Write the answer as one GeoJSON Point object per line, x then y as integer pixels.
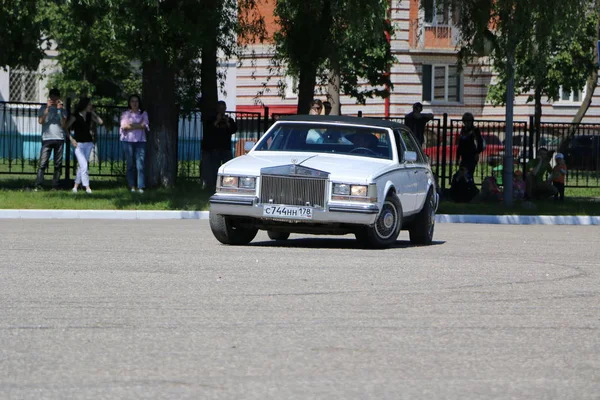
{"type": "Point", "coordinates": [96, 309]}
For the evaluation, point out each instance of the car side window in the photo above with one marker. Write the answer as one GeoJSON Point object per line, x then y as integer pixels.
{"type": "Point", "coordinates": [399, 146]}
{"type": "Point", "coordinates": [411, 145]}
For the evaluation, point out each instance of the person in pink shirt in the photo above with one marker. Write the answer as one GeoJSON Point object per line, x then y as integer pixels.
{"type": "Point", "coordinates": [134, 125]}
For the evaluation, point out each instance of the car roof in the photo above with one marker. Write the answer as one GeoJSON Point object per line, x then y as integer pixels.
{"type": "Point", "coordinates": [380, 123]}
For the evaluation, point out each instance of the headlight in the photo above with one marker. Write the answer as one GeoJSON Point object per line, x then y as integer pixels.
{"type": "Point", "coordinates": [358, 190]}
{"type": "Point", "coordinates": [341, 189]}
{"type": "Point", "coordinates": [247, 182]}
{"type": "Point", "coordinates": [237, 184]}
{"type": "Point", "coordinates": [348, 192]}
{"type": "Point", "coordinates": [229, 181]}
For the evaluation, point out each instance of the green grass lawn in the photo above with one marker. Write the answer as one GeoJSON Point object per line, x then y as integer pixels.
{"type": "Point", "coordinates": [112, 194]}
{"type": "Point", "coordinates": [108, 194]}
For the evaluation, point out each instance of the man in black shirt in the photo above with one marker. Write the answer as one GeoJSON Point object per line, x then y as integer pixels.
{"type": "Point", "coordinates": [416, 121]}
{"type": "Point", "coordinates": [470, 144]}
{"type": "Point", "coordinates": [216, 144]}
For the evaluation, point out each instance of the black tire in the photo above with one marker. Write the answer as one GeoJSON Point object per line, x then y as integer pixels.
{"type": "Point", "coordinates": [387, 226]}
{"type": "Point", "coordinates": [227, 233]}
{"type": "Point", "coordinates": [278, 235]}
{"type": "Point", "coordinates": [421, 229]}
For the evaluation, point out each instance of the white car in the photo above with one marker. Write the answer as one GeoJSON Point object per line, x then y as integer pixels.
{"type": "Point", "coordinates": [327, 175]}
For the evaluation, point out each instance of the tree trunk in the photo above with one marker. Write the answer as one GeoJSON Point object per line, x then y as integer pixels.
{"type": "Point", "coordinates": [590, 87]}
{"type": "Point", "coordinates": [158, 86]}
{"type": "Point", "coordinates": [537, 116]}
{"type": "Point", "coordinates": [306, 87]}
{"type": "Point", "coordinates": [314, 58]}
{"type": "Point", "coordinates": [333, 92]}
{"type": "Point", "coordinates": [209, 80]}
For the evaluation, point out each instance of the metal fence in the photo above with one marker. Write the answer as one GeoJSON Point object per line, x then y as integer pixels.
{"type": "Point", "coordinates": [20, 143]}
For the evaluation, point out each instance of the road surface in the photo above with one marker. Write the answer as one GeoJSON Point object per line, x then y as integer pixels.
{"type": "Point", "coordinates": [159, 310]}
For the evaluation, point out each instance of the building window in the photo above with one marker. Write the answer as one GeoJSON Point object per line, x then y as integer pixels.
{"type": "Point", "coordinates": [437, 12]}
{"type": "Point", "coordinates": [575, 96]}
{"type": "Point", "coordinates": [441, 84]}
{"type": "Point", "coordinates": [23, 86]}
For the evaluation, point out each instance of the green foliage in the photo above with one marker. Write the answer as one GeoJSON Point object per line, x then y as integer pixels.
{"type": "Point", "coordinates": [93, 62]}
{"type": "Point", "coordinates": [22, 44]}
{"type": "Point", "coordinates": [559, 54]}
{"type": "Point", "coordinates": [551, 42]}
{"type": "Point", "coordinates": [347, 36]}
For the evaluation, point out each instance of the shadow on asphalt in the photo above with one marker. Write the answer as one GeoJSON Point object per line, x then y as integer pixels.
{"type": "Point", "coordinates": [317, 243]}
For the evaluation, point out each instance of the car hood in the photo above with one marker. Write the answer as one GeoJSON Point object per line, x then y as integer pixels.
{"type": "Point", "coordinates": [341, 167]}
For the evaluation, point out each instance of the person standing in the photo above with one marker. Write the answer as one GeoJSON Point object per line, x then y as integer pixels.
{"type": "Point", "coordinates": [558, 176]}
{"type": "Point", "coordinates": [134, 124]}
{"type": "Point", "coordinates": [416, 121]}
{"type": "Point", "coordinates": [216, 144]}
{"type": "Point", "coordinates": [52, 117]}
{"type": "Point", "coordinates": [470, 144]}
{"type": "Point", "coordinates": [83, 140]}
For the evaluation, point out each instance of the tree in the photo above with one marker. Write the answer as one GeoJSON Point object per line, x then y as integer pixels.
{"type": "Point", "coordinates": [166, 38]}
{"type": "Point", "coordinates": [517, 29]}
{"type": "Point", "coordinates": [22, 42]}
{"type": "Point", "coordinates": [592, 81]}
{"type": "Point", "coordinates": [559, 54]}
{"type": "Point", "coordinates": [324, 36]}
{"type": "Point", "coordinates": [92, 62]}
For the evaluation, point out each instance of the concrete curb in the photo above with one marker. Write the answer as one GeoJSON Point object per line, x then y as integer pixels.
{"type": "Point", "coordinates": [203, 215]}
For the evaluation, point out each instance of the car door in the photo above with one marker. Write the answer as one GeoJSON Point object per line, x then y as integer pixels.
{"type": "Point", "coordinates": [405, 180]}
{"type": "Point", "coordinates": [420, 170]}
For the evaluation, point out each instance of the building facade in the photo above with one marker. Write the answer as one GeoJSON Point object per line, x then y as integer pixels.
{"type": "Point", "coordinates": [424, 45]}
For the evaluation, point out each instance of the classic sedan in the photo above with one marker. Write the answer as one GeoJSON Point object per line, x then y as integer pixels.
{"type": "Point", "coordinates": [327, 175]}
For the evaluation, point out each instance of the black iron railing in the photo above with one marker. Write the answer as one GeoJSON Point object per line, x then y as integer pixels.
{"type": "Point", "coordinates": [20, 143]}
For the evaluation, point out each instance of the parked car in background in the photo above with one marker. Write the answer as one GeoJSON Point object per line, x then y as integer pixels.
{"type": "Point", "coordinates": [492, 154]}
{"type": "Point", "coordinates": [521, 146]}
{"type": "Point", "coordinates": [327, 175]}
{"type": "Point", "coordinates": [582, 152]}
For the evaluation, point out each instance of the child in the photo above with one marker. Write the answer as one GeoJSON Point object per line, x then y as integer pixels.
{"type": "Point", "coordinates": [518, 186]}
{"type": "Point", "coordinates": [558, 176]}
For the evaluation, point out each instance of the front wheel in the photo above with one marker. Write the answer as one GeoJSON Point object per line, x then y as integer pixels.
{"type": "Point", "coordinates": [278, 235]}
{"type": "Point", "coordinates": [421, 229]}
{"type": "Point", "coordinates": [226, 232]}
{"type": "Point", "coordinates": [387, 226]}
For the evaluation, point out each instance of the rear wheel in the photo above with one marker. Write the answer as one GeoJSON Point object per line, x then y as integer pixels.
{"type": "Point", "coordinates": [421, 229]}
{"type": "Point", "coordinates": [226, 232]}
{"type": "Point", "coordinates": [386, 229]}
{"type": "Point", "coordinates": [278, 235]}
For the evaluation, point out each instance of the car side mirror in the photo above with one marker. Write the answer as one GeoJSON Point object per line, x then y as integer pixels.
{"type": "Point", "coordinates": [248, 146]}
{"type": "Point", "coordinates": [410, 156]}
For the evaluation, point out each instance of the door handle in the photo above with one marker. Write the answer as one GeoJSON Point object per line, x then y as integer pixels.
{"type": "Point", "coordinates": [416, 171]}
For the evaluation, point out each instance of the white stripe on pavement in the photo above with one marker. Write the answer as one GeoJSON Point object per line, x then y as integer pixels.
{"type": "Point", "coordinates": [199, 215]}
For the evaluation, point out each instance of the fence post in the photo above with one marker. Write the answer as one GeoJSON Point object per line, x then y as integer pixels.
{"type": "Point", "coordinates": [68, 145]}
{"type": "Point", "coordinates": [532, 131]}
{"type": "Point", "coordinates": [266, 120]}
{"type": "Point", "coordinates": [444, 146]}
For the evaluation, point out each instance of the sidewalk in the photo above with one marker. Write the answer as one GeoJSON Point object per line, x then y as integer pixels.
{"type": "Point", "coordinates": [203, 215]}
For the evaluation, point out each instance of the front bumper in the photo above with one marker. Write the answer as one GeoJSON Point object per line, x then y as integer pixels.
{"type": "Point", "coordinates": [334, 212]}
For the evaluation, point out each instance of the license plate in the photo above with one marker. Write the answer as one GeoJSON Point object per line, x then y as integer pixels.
{"type": "Point", "coordinates": [291, 212]}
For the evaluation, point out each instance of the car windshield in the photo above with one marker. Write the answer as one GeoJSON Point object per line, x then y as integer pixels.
{"type": "Point", "coordinates": [328, 138]}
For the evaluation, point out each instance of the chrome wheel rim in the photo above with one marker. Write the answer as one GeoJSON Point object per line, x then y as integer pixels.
{"type": "Point", "coordinates": [387, 222]}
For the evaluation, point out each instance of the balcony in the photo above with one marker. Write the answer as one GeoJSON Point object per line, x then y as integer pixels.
{"type": "Point", "coordinates": [433, 37]}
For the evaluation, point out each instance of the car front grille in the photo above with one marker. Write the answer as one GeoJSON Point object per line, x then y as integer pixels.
{"type": "Point", "coordinates": [293, 191]}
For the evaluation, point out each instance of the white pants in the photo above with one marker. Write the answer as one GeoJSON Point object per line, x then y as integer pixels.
{"type": "Point", "coordinates": [82, 152]}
